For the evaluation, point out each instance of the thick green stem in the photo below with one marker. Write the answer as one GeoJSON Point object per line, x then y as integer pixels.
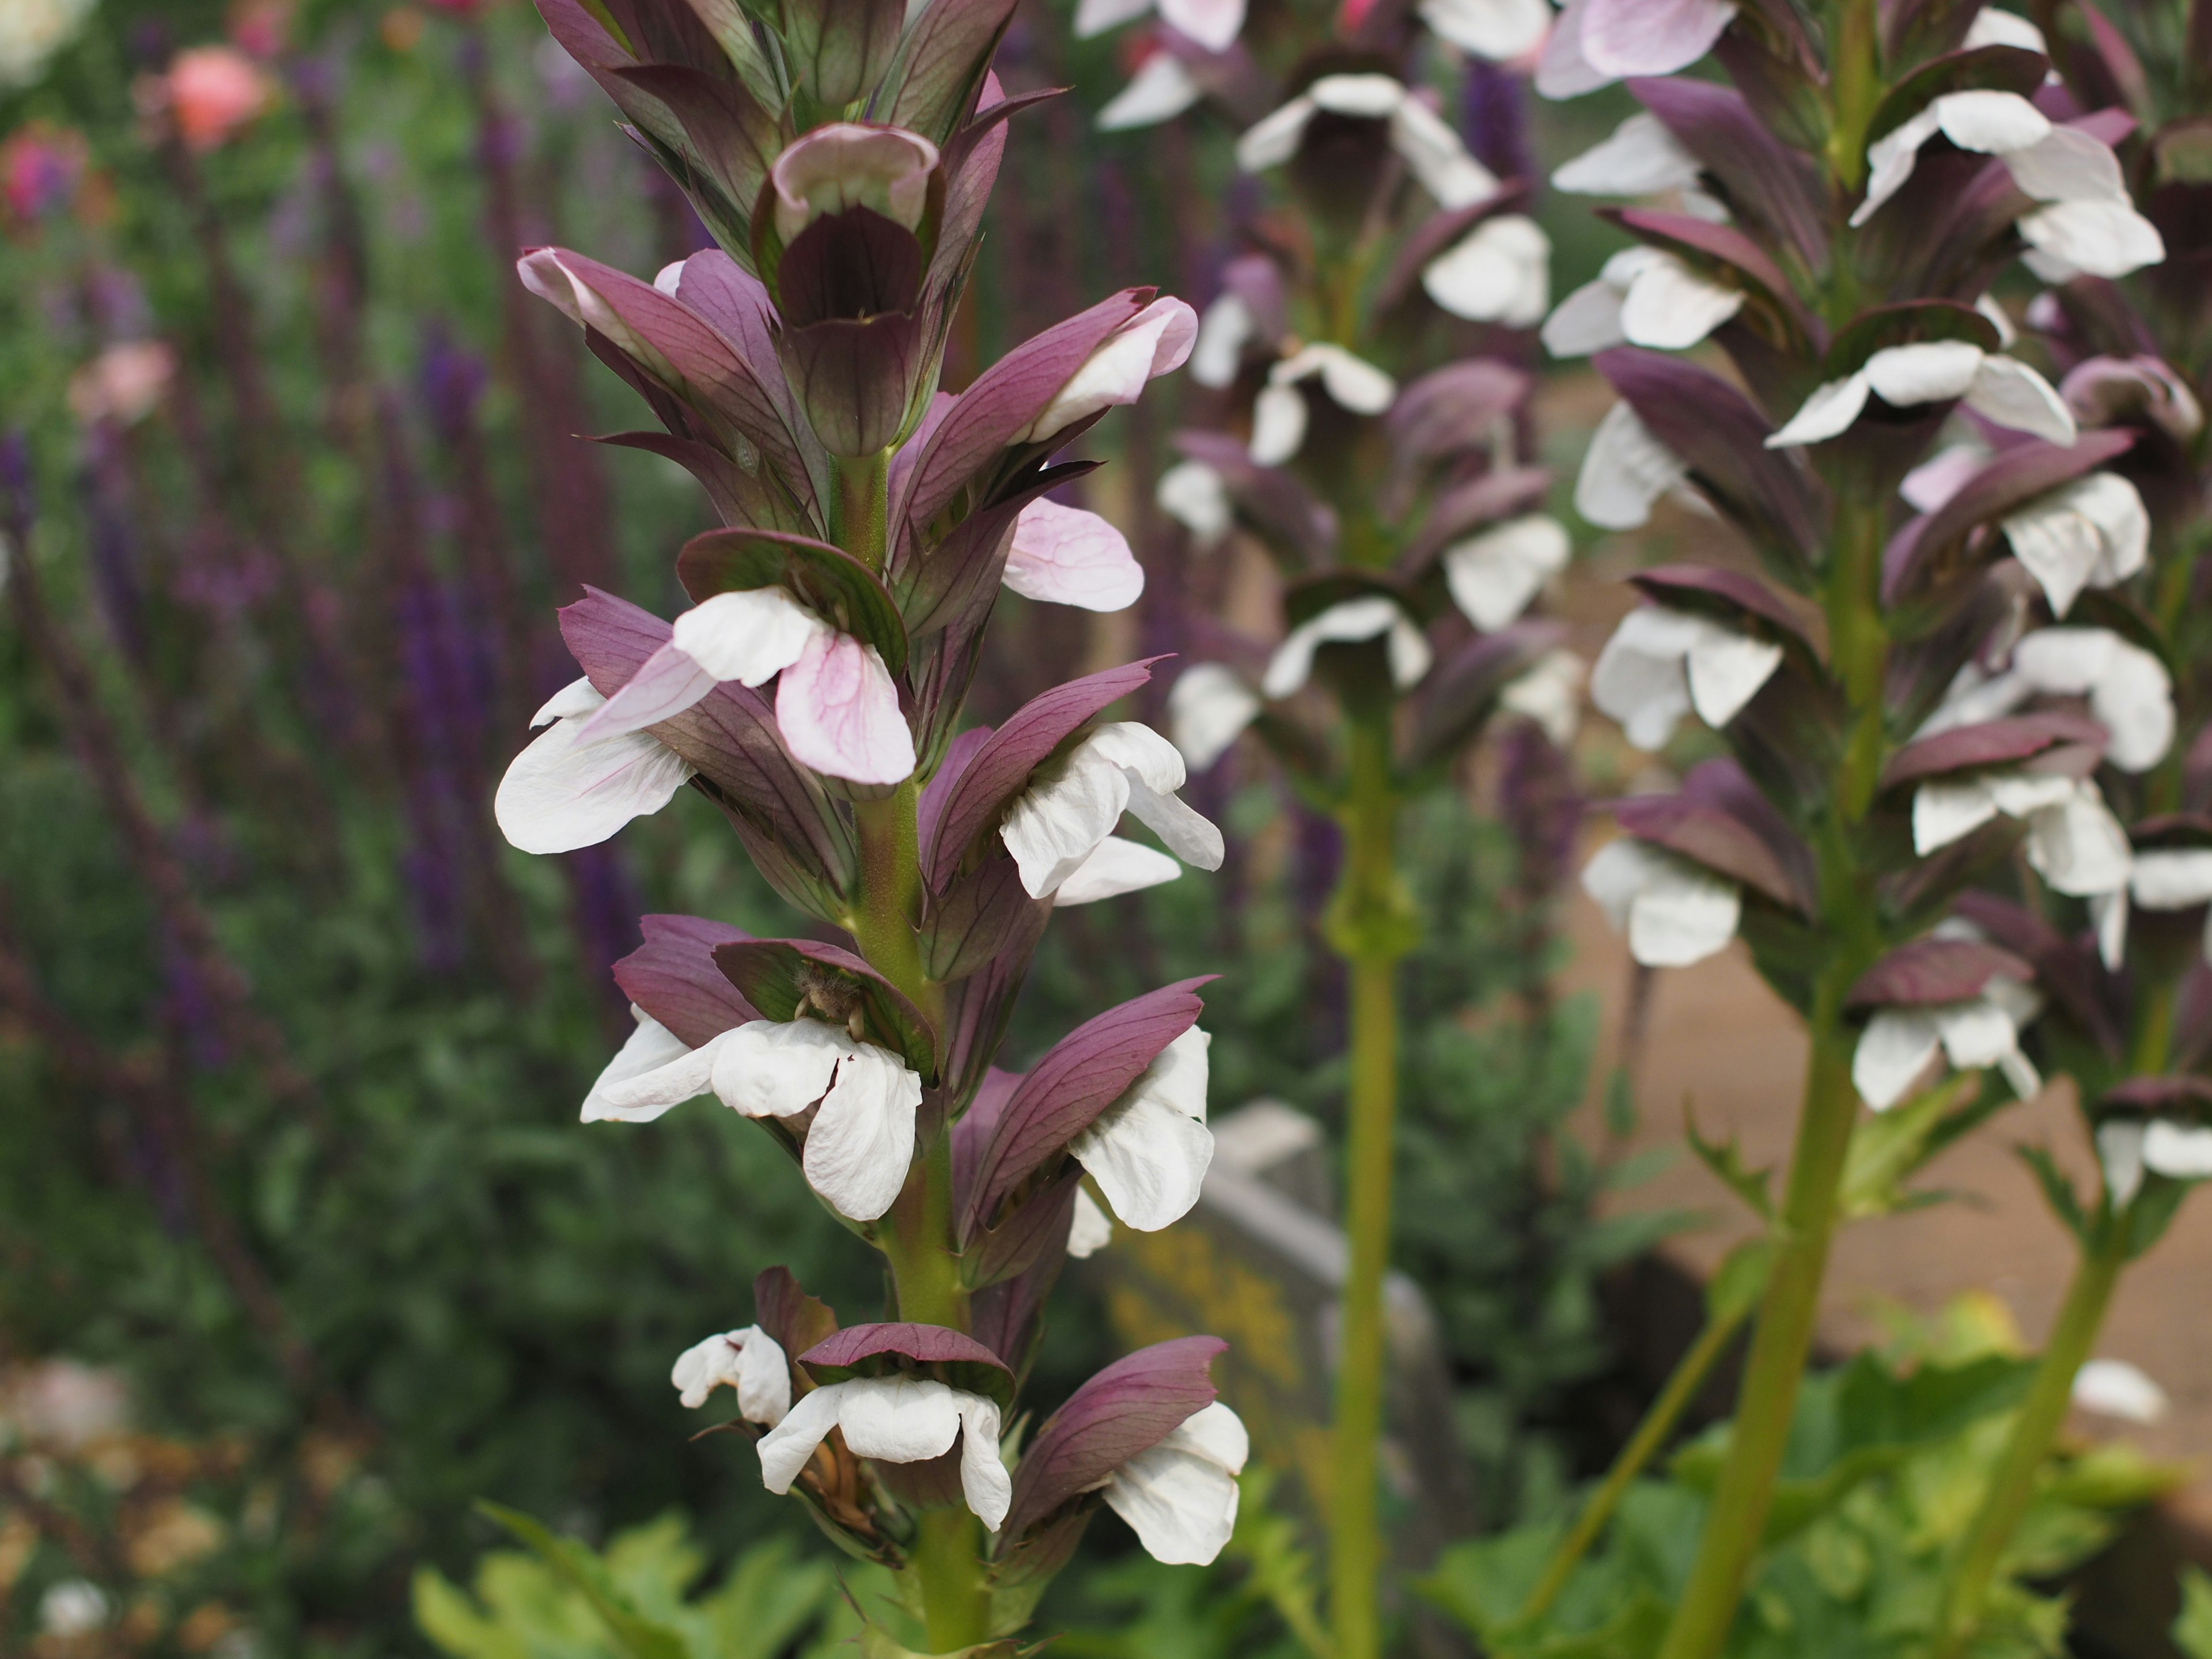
{"type": "Point", "coordinates": [862, 507]}
{"type": "Point", "coordinates": [1689, 1375]}
{"type": "Point", "coordinates": [1370, 924]}
{"type": "Point", "coordinates": [956, 1604]}
{"type": "Point", "coordinates": [1736, 1522]}
{"type": "Point", "coordinates": [2034, 1430]}
{"type": "Point", "coordinates": [883, 920]}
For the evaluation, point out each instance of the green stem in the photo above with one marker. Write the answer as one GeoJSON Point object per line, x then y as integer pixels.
{"type": "Point", "coordinates": [1689, 1375]}
{"type": "Point", "coordinates": [863, 507]}
{"type": "Point", "coordinates": [1370, 924]}
{"type": "Point", "coordinates": [2034, 1430]}
{"type": "Point", "coordinates": [1735, 1524]}
{"type": "Point", "coordinates": [955, 1601]}
{"type": "Point", "coordinates": [883, 922]}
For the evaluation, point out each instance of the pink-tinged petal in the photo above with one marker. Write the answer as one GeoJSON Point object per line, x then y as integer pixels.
{"type": "Point", "coordinates": [1564, 70]}
{"type": "Point", "coordinates": [839, 712]}
{"type": "Point", "coordinates": [666, 684]}
{"type": "Point", "coordinates": [1650, 36]}
{"type": "Point", "coordinates": [1214, 24]}
{"type": "Point", "coordinates": [1153, 343]}
{"type": "Point", "coordinates": [1065, 555]}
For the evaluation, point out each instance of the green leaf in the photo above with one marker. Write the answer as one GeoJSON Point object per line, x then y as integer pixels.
{"type": "Point", "coordinates": [635, 1636]}
{"type": "Point", "coordinates": [2152, 1213]}
{"type": "Point", "coordinates": [1889, 1147]}
{"type": "Point", "coordinates": [2192, 1630]}
{"type": "Point", "coordinates": [1269, 1544]}
{"type": "Point", "coordinates": [2057, 1190]}
{"type": "Point", "coordinates": [1726, 1161]}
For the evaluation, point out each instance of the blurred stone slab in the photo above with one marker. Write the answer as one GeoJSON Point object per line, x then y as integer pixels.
{"type": "Point", "coordinates": [1257, 1267]}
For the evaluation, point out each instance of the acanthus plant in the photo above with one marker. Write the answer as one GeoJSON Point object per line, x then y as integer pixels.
{"type": "Point", "coordinates": [1940, 674]}
{"type": "Point", "coordinates": [842, 157]}
{"type": "Point", "coordinates": [1365, 352]}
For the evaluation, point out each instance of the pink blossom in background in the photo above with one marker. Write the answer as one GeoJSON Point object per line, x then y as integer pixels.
{"type": "Point", "coordinates": [41, 169]}
{"type": "Point", "coordinates": [123, 384]}
{"type": "Point", "coordinates": [211, 92]}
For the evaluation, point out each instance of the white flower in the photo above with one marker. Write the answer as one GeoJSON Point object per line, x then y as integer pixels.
{"type": "Point", "coordinates": [750, 1361]}
{"type": "Point", "coordinates": [1292, 666]}
{"type": "Point", "coordinates": [2174, 879]}
{"type": "Point", "coordinates": [861, 1139]}
{"type": "Point", "coordinates": [1212, 24]}
{"type": "Point", "coordinates": [1642, 158]}
{"type": "Point", "coordinates": [1065, 555]}
{"type": "Point", "coordinates": [1064, 817]}
{"type": "Point", "coordinates": [1432, 151]}
{"type": "Point", "coordinates": [1674, 912]}
{"type": "Point", "coordinates": [1208, 710]}
{"type": "Point", "coordinates": [1660, 663]}
{"type": "Point", "coordinates": [1993, 27]}
{"type": "Point", "coordinates": [896, 1420]}
{"type": "Point", "coordinates": [1990, 123]}
{"type": "Point", "coordinates": [1196, 496]}
{"type": "Point", "coordinates": [1550, 694]}
{"type": "Point", "coordinates": [1899, 1043]}
{"type": "Point", "coordinates": [1279, 414]}
{"type": "Point", "coordinates": [1500, 30]}
{"type": "Point", "coordinates": [1092, 1229]}
{"type": "Point", "coordinates": [2074, 842]}
{"type": "Point", "coordinates": [565, 792]}
{"type": "Point", "coordinates": [1625, 469]}
{"type": "Point", "coordinates": [1180, 1497]}
{"type": "Point", "coordinates": [1498, 272]}
{"type": "Point", "coordinates": [1644, 296]}
{"type": "Point", "coordinates": [2092, 532]}
{"type": "Point", "coordinates": [1115, 868]}
{"type": "Point", "coordinates": [1148, 1151]}
{"type": "Point", "coordinates": [2180, 1152]}
{"type": "Point", "coordinates": [2112, 1388]}
{"type": "Point", "coordinates": [1225, 328]}
{"type": "Point", "coordinates": [2130, 694]}
{"type": "Point", "coordinates": [1493, 576]}
{"type": "Point", "coordinates": [31, 32]}
{"type": "Point", "coordinates": [2120, 1156]}
{"type": "Point", "coordinates": [1162, 89]}
{"type": "Point", "coordinates": [1996, 387]}
{"type": "Point", "coordinates": [1153, 343]}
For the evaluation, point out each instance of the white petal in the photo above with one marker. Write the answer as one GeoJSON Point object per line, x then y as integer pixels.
{"type": "Point", "coordinates": [1945, 810]}
{"type": "Point", "coordinates": [2079, 846]}
{"type": "Point", "coordinates": [1623, 471]}
{"type": "Point", "coordinates": [2120, 1153]}
{"type": "Point", "coordinates": [2108, 918]}
{"type": "Point", "coordinates": [1152, 342]}
{"type": "Point", "coordinates": [1891, 160]}
{"type": "Point", "coordinates": [2068, 165]}
{"type": "Point", "coordinates": [984, 1482]}
{"type": "Point", "coordinates": [1091, 1230]}
{"type": "Point", "coordinates": [2171, 878]}
{"type": "Point", "coordinates": [1893, 1052]}
{"type": "Point", "coordinates": [2130, 692]}
{"type": "Point", "coordinates": [837, 708]}
{"type": "Point", "coordinates": [1207, 711]}
{"type": "Point", "coordinates": [1147, 757]}
{"type": "Point", "coordinates": [1189, 834]}
{"type": "Point", "coordinates": [1493, 576]}
{"type": "Point", "coordinates": [2179, 1151]}
{"type": "Point", "coordinates": [2010, 393]}
{"type": "Point", "coordinates": [899, 1420]}
{"type": "Point", "coordinates": [1975, 1033]}
{"type": "Point", "coordinates": [1278, 424]}
{"type": "Point", "coordinates": [1215, 1433]}
{"type": "Point", "coordinates": [1616, 873]}
{"type": "Point", "coordinates": [1586, 321]}
{"type": "Point", "coordinates": [1179, 1074]}
{"type": "Point", "coordinates": [645, 1089]}
{"type": "Point", "coordinates": [1827, 414]}
{"type": "Point", "coordinates": [1214, 24]}
{"type": "Point", "coordinates": [1055, 825]}
{"type": "Point", "coordinates": [560, 794]}
{"type": "Point", "coordinates": [1500, 30]}
{"type": "Point", "coordinates": [1990, 123]}
{"type": "Point", "coordinates": [1499, 272]}
{"type": "Point", "coordinates": [750, 1361]}
{"type": "Point", "coordinates": [1274, 139]}
{"type": "Point", "coordinates": [2106, 239]}
{"type": "Point", "coordinates": [749, 636]}
{"type": "Point", "coordinates": [1223, 328]}
{"type": "Point", "coordinates": [1094, 17]}
{"type": "Point", "coordinates": [2000, 320]}
{"type": "Point", "coordinates": [1148, 1158]}
{"type": "Point", "coordinates": [1181, 1506]}
{"type": "Point", "coordinates": [650, 1047]}
{"type": "Point", "coordinates": [1351, 383]}
{"type": "Point", "coordinates": [1726, 670]}
{"type": "Point", "coordinates": [1642, 158]}
{"type": "Point", "coordinates": [1994, 27]}
{"type": "Point", "coordinates": [1942, 476]}
{"type": "Point", "coordinates": [2060, 546]}
{"type": "Point", "coordinates": [1352, 620]}
{"type": "Point", "coordinates": [2112, 1388]}
{"type": "Point", "coordinates": [1162, 89]}
{"type": "Point", "coordinates": [1435, 156]}
{"type": "Point", "coordinates": [785, 1448]}
{"type": "Point", "coordinates": [1370, 97]}
{"type": "Point", "coordinates": [862, 1142]}
{"type": "Point", "coordinates": [1117, 866]}
{"type": "Point", "coordinates": [1671, 307]}
{"type": "Point", "coordinates": [1640, 680]}
{"type": "Point", "coordinates": [1195, 496]}
{"type": "Point", "coordinates": [1927, 372]}
{"type": "Point", "coordinates": [1065, 555]}
{"type": "Point", "coordinates": [1563, 71]}
{"type": "Point", "coordinates": [572, 702]}
{"type": "Point", "coordinates": [1550, 694]}
{"type": "Point", "coordinates": [1684, 916]}
{"type": "Point", "coordinates": [666, 684]}
{"type": "Point", "coordinates": [775, 1068]}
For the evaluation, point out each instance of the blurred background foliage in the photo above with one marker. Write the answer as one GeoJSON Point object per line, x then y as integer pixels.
{"type": "Point", "coordinates": [290, 1046]}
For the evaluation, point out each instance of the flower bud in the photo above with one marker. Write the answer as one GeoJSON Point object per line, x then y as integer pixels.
{"type": "Point", "coordinates": [847, 165]}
